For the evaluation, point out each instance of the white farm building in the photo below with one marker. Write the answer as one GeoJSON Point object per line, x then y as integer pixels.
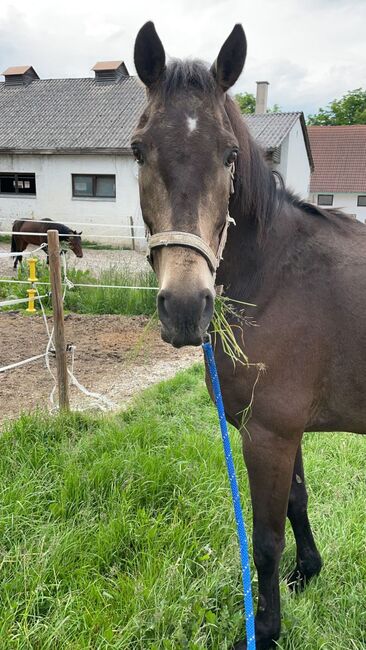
{"type": "Point", "coordinates": [64, 149]}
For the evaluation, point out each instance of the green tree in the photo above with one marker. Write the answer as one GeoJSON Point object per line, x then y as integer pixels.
{"type": "Point", "coordinates": [350, 109]}
{"type": "Point", "coordinates": [246, 103]}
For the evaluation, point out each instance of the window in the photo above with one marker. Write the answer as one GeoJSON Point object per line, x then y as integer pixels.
{"type": "Point", "coordinates": [325, 199]}
{"type": "Point", "coordinates": [17, 183]}
{"type": "Point", "coordinates": [94, 186]}
{"type": "Point", "coordinates": [361, 201]}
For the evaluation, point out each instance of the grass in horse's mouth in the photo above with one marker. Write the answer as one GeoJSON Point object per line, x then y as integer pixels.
{"type": "Point", "coordinates": [227, 309]}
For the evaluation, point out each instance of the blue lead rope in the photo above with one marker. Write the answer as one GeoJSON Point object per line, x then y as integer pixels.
{"type": "Point", "coordinates": [243, 540]}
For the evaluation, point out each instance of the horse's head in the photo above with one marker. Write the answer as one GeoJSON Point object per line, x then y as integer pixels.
{"type": "Point", "coordinates": [75, 243]}
{"type": "Point", "coordinates": [186, 150]}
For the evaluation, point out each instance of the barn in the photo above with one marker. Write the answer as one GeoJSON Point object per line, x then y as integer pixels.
{"type": "Point", "coordinates": [64, 149]}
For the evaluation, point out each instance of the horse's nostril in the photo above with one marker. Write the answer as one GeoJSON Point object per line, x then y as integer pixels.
{"type": "Point", "coordinates": [207, 306]}
{"type": "Point", "coordinates": [163, 301]}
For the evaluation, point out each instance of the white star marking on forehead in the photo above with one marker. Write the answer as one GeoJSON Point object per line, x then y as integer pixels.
{"type": "Point", "coordinates": [192, 124]}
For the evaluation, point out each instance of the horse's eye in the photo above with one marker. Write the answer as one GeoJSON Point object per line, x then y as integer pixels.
{"type": "Point", "coordinates": [231, 157]}
{"type": "Point", "coordinates": [136, 150]}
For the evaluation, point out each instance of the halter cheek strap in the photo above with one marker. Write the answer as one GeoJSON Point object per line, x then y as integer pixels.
{"type": "Point", "coordinates": [189, 240]}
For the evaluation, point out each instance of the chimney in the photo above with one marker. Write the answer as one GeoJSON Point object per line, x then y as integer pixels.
{"type": "Point", "coordinates": [110, 71]}
{"type": "Point", "coordinates": [262, 97]}
{"type": "Point", "coordinates": [20, 75]}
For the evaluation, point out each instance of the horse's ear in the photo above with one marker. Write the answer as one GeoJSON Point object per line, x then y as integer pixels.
{"type": "Point", "coordinates": [230, 62]}
{"type": "Point", "coordinates": [149, 55]}
{"type": "Point", "coordinates": [80, 233]}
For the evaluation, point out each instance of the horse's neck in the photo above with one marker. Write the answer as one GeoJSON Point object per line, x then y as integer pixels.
{"type": "Point", "coordinates": [250, 262]}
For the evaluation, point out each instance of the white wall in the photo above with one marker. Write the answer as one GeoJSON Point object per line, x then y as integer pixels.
{"type": "Point", "coordinates": [54, 194]}
{"type": "Point", "coordinates": [294, 165]}
{"type": "Point", "coordinates": [346, 201]}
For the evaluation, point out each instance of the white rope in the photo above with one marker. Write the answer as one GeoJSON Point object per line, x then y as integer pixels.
{"type": "Point", "coordinates": [103, 402]}
{"type": "Point", "coordinates": [86, 223]}
{"type": "Point", "coordinates": [6, 303]}
{"type": "Point", "coordinates": [68, 235]}
{"type": "Point", "coordinates": [75, 284]}
{"type": "Point", "coordinates": [22, 363]}
{"type": "Point", "coordinates": [25, 253]}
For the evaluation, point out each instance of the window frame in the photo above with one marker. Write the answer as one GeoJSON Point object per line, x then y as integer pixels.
{"type": "Point", "coordinates": [15, 177]}
{"type": "Point", "coordinates": [361, 196]}
{"type": "Point", "coordinates": [94, 178]}
{"type": "Point", "coordinates": [325, 205]}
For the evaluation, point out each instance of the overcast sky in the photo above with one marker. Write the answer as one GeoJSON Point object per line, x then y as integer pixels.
{"type": "Point", "coordinates": [310, 51]}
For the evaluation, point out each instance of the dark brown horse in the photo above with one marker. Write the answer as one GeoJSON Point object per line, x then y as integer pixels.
{"type": "Point", "coordinates": [29, 235]}
{"type": "Point", "coordinates": [304, 268]}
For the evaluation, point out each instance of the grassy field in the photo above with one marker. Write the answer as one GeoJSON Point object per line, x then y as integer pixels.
{"type": "Point", "coordinates": [94, 300]}
{"type": "Point", "coordinates": [117, 532]}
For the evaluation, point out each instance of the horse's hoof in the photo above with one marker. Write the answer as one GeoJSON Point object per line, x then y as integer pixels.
{"type": "Point", "coordinates": [240, 645]}
{"type": "Point", "coordinates": [296, 581]}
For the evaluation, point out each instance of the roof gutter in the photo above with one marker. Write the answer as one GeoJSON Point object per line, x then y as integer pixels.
{"type": "Point", "coordinates": [67, 151]}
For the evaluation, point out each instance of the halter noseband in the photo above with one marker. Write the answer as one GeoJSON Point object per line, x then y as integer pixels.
{"type": "Point", "coordinates": [189, 240]}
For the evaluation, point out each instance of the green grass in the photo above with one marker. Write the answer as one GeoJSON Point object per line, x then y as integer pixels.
{"type": "Point", "coordinates": [118, 532]}
{"type": "Point", "coordinates": [93, 300]}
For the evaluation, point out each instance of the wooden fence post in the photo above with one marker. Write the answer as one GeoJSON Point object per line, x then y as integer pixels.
{"type": "Point", "coordinates": [58, 318]}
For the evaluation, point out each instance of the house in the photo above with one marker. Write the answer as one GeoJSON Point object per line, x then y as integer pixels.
{"type": "Point", "coordinates": [339, 177]}
{"type": "Point", "coordinates": [65, 150]}
{"type": "Point", "coordinates": [284, 138]}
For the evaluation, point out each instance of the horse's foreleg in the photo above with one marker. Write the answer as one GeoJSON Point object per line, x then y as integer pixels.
{"type": "Point", "coordinates": [308, 560]}
{"type": "Point", "coordinates": [21, 246]}
{"type": "Point", "coordinates": [270, 460]}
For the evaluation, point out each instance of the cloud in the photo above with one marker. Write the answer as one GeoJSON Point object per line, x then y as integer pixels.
{"type": "Point", "coordinates": [309, 52]}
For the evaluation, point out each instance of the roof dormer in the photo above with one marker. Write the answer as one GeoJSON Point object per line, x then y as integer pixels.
{"type": "Point", "coordinates": [110, 71]}
{"type": "Point", "coordinates": [20, 75]}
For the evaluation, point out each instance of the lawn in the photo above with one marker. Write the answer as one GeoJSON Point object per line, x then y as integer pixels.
{"type": "Point", "coordinates": [117, 532]}
{"type": "Point", "coordinates": [93, 300]}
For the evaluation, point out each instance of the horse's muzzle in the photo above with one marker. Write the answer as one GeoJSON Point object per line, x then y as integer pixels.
{"type": "Point", "coordinates": [185, 319]}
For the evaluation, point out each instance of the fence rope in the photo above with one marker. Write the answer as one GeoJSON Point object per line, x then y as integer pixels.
{"type": "Point", "coordinates": [22, 363]}
{"type": "Point", "coordinates": [86, 223]}
{"type": "Point", "coordinates": [76, 284]}
{"type": "Point", "coordinates": [67, 236]}
{"type": "Point", "coordinates": [102, 402]}
{"type": "Point", "coordinates": [25, 253]}
{"type": "Point", "coordinates": [6, 303]}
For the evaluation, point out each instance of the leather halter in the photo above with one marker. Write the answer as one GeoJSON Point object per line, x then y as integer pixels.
{"type": "Point", "coordinates": [189, 240]}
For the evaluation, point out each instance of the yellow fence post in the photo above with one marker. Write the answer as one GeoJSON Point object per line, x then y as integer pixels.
{"type": "Point", "coordinates": [31, 293]}
{"type": "Point", "coordinates": [32, 269]}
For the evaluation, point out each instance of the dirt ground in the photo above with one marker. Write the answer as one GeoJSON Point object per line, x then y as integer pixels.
{"type": "Point", "coordinates": [116, 356]}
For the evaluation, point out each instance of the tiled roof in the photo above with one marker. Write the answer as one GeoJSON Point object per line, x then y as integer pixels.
{"type": "Point", "coordinates": [69, 114]}
{"type": "Point", "coordinates": [270, 129]}
{"type": "Point", "coordinates": [340, 158]}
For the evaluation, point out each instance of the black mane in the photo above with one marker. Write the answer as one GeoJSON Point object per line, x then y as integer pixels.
{"type": "Point", "coordinates": [187, 75]}
{"type": "Point", "coordinates": [62, 229]}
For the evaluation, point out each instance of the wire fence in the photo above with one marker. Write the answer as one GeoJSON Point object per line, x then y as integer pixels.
{"type": "Point", "coordinates": [100, 400]}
